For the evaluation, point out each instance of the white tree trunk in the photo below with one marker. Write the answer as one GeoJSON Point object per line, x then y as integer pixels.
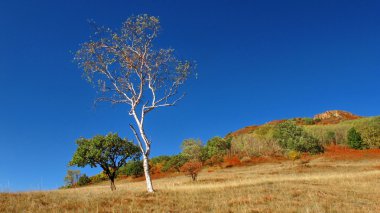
{"type": "Point", "coordinates": [149, 185]}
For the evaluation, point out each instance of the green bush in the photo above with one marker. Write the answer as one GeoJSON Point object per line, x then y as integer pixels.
{"type": "Point", "coordinates": [133, 168]}
{"type": "Point", "coordinates": [218, 147]}
{"type": "Point", "coordinates": [293, 137]}
{"type": "Point", "coordinates": [175, 163]}
{"type": "Point", "coordinates": [84, 180]}
{"type": "Point", "coordinates": [355, 140]}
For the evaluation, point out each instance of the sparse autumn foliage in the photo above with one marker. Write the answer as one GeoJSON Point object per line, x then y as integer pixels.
{"type": "Point", "coordinates": [72, 177]}
{"type": "Point", "coordinates": [192, 149]}
{"type": "Point", "coordinates": [371, 135]}
{"type": "Point", "coordinates": [254, 145]}
{"type": "Point", "coordinates": [192, 168]}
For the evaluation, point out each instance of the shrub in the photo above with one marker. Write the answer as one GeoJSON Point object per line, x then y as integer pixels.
{"type": "Point", "coordinates": [292, 137]}
{"type": "Point", "coordinates": [265, 130]}
{"type": "Point", "coordinates": [84, 180]}
{"type": "Point", "coordinates": [192, 169]}
{"type": "Point", "coordinates": [175, 163]}
{"type": "Point", "coordinates": [218, 146]}
{"type": "Point", "coordinates": [355, 140]}
{"type": "Point", "coordinates": [133, 168]}
{"type": "Point", "coordinates": [371, 135]}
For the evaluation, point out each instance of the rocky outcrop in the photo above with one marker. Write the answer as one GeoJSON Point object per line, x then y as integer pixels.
{"type": "Point", "coordinates": [336, 115]}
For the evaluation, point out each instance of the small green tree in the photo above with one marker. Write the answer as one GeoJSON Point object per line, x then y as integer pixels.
{"type": "Point", "coordinates": [355, 140]}
{"type": "Point", "coordinates": [110, 152]}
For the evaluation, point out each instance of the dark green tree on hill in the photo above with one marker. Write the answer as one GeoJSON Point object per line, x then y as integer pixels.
{"type": "Point", "coordinates": [110, 152]}
{"type": "Point", "coordinates": [84, 180]}
{"type": "Point", "coordinates": [218, 146]}
{"type": "Point", "coordinates": [292, 137]}
{"type": "Point", "coordinates": [355, 140]}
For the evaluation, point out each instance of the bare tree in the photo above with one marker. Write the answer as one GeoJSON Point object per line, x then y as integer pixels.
{"type": "Point", "coordinates": [127, 70]}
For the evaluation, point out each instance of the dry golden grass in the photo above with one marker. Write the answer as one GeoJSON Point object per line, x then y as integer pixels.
{"type": "Point", "coordinates": [320, 185]}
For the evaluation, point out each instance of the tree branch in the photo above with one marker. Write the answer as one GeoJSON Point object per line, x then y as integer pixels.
{"type": "Point", "coordinates": [137, 137]}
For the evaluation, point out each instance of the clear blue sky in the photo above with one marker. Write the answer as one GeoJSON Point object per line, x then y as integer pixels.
{"type": "Point", "coordinates": [258, 61]}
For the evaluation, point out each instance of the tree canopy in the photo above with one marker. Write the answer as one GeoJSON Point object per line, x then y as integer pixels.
{"type": "Point", "coordinates": [110, 152]}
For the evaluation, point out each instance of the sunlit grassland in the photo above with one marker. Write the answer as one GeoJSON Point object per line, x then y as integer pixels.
{"type": "Point", "coordinates": [322, 185]}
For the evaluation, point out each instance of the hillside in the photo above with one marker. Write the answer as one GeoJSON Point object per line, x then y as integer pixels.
{"type": "Point", "coordinates": [256, 173]}
{"type": "Point", "coordinates": [326, 118]}
{"type": "Point", "coordinates": [325, 183]}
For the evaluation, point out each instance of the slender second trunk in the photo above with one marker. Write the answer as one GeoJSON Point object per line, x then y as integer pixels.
{"type": "Point", "coordinates": [149, 185]}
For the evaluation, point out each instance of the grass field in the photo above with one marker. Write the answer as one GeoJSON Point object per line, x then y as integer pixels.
{"type": "Point", "coordinates": [324, 184]}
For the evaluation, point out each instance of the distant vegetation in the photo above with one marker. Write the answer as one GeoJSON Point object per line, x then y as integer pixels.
{"type": "Point", "coordinates": [285, 139]}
